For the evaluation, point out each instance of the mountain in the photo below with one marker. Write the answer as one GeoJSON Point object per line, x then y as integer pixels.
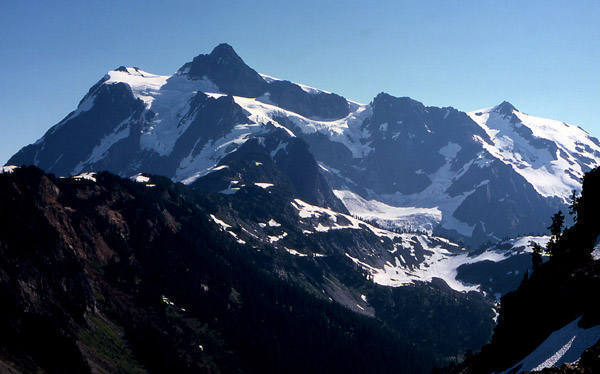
{"type": "Point", "coordinates": [551, 322]}
{"type": "Point", "coordinates": [302, 216]}
{"type": "Point", "coordinates": [473, 177]}
{"type": "Point", "coordinates": [275, 159]}
{"type": "Point", "coordinates": [105, 274]}
{"type": "Point", "coordinates": [218, 206]}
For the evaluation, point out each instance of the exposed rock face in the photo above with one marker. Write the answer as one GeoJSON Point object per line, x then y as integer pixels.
{"type": "Point", "coordinates": [74, 138]}
{"type": "Point", "coordinates": [277, 159]}
{"type": "Point", "coordinates": [232, 76]}
{"type": "Point", "coordinates": [228, 71]}
{"type": "Point", "coordinates": [318, 104]}
{"type": "Point", "coordinates": [491, 174]}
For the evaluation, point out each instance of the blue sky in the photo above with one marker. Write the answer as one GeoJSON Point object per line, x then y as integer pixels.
{"type": "Point", "coordinates": [542, 56]}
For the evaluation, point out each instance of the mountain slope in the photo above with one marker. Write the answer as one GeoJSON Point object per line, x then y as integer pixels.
{"type": "Point", "coordinates": [105, 274]}
{"type": "Point", "coordinates": [553, 316]}
{"type": "Point", "coordinates": [551, 155]}
{"type": "Point", "coordinates": [488, 174]}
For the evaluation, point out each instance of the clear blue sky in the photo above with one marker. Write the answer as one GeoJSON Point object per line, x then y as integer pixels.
{"type": "Point", "coordinates": [543, 56]}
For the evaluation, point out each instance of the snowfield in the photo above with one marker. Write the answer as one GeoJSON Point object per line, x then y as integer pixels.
{"type": "Point", "coordinates": [442, 258]}
{"type": "Point", "coordinates": [444, 264]}
{"type": "Point", "coordinates": [552, 172]}
{"type": "Point", "coordinates": [411, 219]}
{"type": "Point", "coordinates": [564, 345]}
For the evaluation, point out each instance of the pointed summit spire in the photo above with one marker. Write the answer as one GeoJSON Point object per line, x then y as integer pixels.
{"type": "Point", "coordinates": [224, 50]}
{"type": "Point", "coordinates": [505, 108]}
{"type": "Point", "coordinates": [227, 70]}
{"type": "Point", "coordinates": [225, 54]}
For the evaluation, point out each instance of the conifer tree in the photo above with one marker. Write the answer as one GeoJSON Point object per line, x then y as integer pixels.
{"type": "Point", "coordinates": [536, 255]}
{"type": "Point", "coordinates": [575, 204]}
{"type": "Point", "coordinates": [558, 219]}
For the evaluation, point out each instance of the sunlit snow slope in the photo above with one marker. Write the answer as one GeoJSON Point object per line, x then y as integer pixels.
{"type": "Point", "coordinates": [475, 177]}
{"type": "Point", "coordinates": [549, 154]}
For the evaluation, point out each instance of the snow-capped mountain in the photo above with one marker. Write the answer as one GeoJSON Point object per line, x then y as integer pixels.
{"type": "Point", "coordinates": [551, 155]}
{"type": "Point", "coordinates": [474, 176]}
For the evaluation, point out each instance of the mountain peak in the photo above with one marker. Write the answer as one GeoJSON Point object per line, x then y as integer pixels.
{"type": "Point", "coordinates": [224, 53]}
{"type": "Point", "coordinates": [223, 49]}
{"type": "Point", "coordinates": [384, 98]}
{"type": "Point", "coordinates": [505, 108]}
{"type": "Point", "coordinates": [227, 70]}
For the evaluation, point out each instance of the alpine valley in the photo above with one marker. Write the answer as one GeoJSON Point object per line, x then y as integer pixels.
{"type": "Point", "coordinates": [222, 220]}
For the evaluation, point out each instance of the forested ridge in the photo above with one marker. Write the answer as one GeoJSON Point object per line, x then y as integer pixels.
{"type": "Point", "coordinates": [557, 292]}
{"type": "Point", "coordinates": [115, 276]}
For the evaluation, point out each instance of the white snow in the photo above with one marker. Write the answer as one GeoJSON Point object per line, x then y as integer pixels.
{"type": "Point", "coordinates": [85, 176]}
{"type": "Point", "coordinates": [442, 263]}
{"type": "Point", "coordinates": [408, 218]}
{"type": "Point", "coordinates": [168, 97]}
{"type": "Point", "coordinates": [550, 173]}
{"type": "Point", "coordinates": [194, 166]}
{"type": "Point", "coordinates": [170, 102]}
{"type": "Point", "coordinates": [346, 130]}
{"type": "Point", "coordinates": [219, 222]}
{"type": "Point", "coordinates": [280, 146]}
{"type": "Point", "coordinates": [564, 345]}
{"type": "Point", "coordinates": [295, 252]}
{"type": "Point", "coordinates": [261, 112]}
{"type": "Point", "coordinates": [450, 150]}
{"type": "Point", "coordinates": [263, 184]}
{"type": "Point", "coordinates": [140, 178]}
{"type": "Point", "coordinates": [435, 195]}
{"type": "Point", "coordinates": [276, 238]}
{"type": "Point", "coordinates": [224, 226]}
{"type": "Point", "coordinates": [8, 169]}
{"type": "Point", "coordinates": [240, 241]}
{"type": "Point", "coordinates": [523, 242]}
{"type": "Point", "coordinates": [220, 167]}
{"type": "Point", "coordinates": [120, 132]}
{"type": "Point", "coordinates": [306, 211]}
{"type": "Point", "coordinates": [273, 223]}
{"type": "Point", "coordinates": [305, 88]}
{"type": "Point", "coordinates": [596, 249]}
{"type": "Point", "coordinates": [231, 189]}
{"type": "Point", "coordinates": [166, 300]}
{"type": "Point", "coordinates": [145, 86]}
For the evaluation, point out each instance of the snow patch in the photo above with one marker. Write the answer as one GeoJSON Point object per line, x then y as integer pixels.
{"type": "Point", "coordinates": [295, 252]}
{"type": "Point", "coordinates": [273, 239]}
{"type": "Point", "coordinates": [223, 225]}
{"type": "Point", "coordinates": [411, 219]}
{"type": "Point", "coordinates": [263, 185]}
{"type": "Point", "coordinates": [90, 176]}
{"type": "Point", "coordinates": [450, 150]}
{"type": "Point", "coordinates": [564, 345]}
{"type": "Point", "coordinates": [8, 169]}
{"type": "Point", "coordinates": [140, 178]}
